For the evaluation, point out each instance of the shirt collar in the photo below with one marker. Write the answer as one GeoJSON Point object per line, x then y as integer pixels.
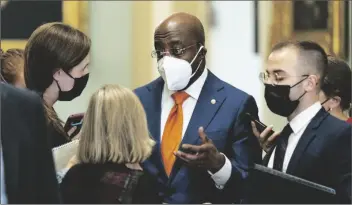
{"type": "Point", "coordinates": [303, 118]}
{"type": "Point", "coordinates": [194, 89]}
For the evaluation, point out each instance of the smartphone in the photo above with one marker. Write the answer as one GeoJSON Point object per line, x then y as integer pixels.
{"type": "Point", "coordinates": [259, 125]}
{"type": "Point", "coordinates": [74, 120]}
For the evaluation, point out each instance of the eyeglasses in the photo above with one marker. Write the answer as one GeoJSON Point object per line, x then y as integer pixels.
{"type": "Point", "coordinates": [173, 52]}
{"type": "Point", "coordinates": [267, 78]}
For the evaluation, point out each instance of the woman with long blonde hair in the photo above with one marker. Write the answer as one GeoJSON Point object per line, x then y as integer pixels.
{"type": "Point", "coordinates": [114, 141]}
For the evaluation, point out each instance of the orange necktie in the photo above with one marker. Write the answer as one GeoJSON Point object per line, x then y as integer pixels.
{"type": "Point", "coordinates": [173, 131]}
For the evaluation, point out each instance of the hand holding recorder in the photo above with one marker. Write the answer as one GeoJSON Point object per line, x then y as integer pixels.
{"type": "Point", "coordinates": [265, 134]}
{"type": "Point", "coordinates": [73, 124]}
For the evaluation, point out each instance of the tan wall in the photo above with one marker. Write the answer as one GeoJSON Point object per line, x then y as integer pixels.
{"type": "Point", "coordinates": [265, 23]}
{"type": "Point", "coordinates": [142, 35]}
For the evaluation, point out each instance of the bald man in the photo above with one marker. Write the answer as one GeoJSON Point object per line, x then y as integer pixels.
{"type": "Point", "coordinates": [204, 145]}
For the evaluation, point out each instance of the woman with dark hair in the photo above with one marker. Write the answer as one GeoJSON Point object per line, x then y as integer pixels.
{"type": "Point", "coordinates": [336, 89]}
{"type": "Point", "coordinates": [56, 67]}
{"type": "Point", "coordinates": [11, 64]}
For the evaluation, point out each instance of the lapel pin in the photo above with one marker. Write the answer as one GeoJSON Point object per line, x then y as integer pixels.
{"type": "Point", "coordinates": [213, 101]}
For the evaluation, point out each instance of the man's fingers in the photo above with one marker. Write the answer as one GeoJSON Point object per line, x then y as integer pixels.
{"type": "Point", "coordinates": [202, 135]}
{"type": "Point", "coordinates": [273, 137]}
{"type": "Point", "coordinates": [186, 156]}
{"type": "Point", "coordinates": [265, 134]}
{"type": "Point", "coordinates": [269, 142]}
{"type": "Point", "coordinates": [254, 129]}
{"type": "Point", "coordinates": [191, 159]}
{"type": "Point", "coordinates": [197, 148]}
{"type": "Point", "coordinates": [182, 158]}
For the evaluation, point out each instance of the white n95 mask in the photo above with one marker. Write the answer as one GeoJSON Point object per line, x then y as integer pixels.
{"type": "Point", "coordinates": [177, 72]}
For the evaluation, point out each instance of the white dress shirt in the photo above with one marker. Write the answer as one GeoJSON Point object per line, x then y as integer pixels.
{"type": "Point", "coordinates": [222, 176]}
{"type": "Point", "coordinates": [298, 125]}
{"type": "Point", "coordinates": [2, 185]}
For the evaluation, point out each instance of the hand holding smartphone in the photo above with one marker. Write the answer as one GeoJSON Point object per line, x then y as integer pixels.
{"type": "Point", "coordinates": [72, 121]}
{"type": "Point", "coordinates": [259, 125]}
{"type": "Point", "coordinates": [266, 138]}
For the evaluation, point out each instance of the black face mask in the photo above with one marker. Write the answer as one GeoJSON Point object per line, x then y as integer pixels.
{"type": "Point", "coordinates": [78, 87]}
{"type": "Point", "coordinates": [278, 99]}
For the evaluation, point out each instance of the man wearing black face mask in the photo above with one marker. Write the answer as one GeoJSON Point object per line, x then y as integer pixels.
{"type": "Point", "coordinates": [313, 145]}
{"type": "Point", "coordinates": [203, 144]}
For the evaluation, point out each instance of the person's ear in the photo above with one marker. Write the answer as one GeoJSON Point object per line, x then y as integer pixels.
{"type": "Point", "coordinates": [204, 52]}
{"type": "Point", "coordinates": [312, 83]}
{"type": "Point", "coordinates": [335, 102]}
{"type": "Point", "coordinates": [58, 74]}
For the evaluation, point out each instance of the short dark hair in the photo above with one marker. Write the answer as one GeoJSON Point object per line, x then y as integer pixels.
{"type": "Point", "coordinates": [337, 81]}
{"type": "Point", "coordinates": [310, 52]}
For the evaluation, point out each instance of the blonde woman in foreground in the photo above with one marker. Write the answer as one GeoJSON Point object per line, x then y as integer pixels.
{"type": "Point", "coordinates": [114, 141]}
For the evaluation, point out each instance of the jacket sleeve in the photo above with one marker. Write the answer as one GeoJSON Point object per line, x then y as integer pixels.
{"type": "Point", "coordinates": [340, 160]}
{"type": "Point", "coordinates": [243, 152]}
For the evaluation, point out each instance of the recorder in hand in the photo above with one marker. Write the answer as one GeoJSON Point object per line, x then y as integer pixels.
{"type": "Point", "coordinates": [265, 134]}
{"type": "Point", "coordinates": [73, 124]}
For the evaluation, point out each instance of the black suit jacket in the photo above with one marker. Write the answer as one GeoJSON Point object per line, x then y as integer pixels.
{"type": "Point", "coordinates": [323, 155]}
{"type": "Point", "coordinates": [28, 162]}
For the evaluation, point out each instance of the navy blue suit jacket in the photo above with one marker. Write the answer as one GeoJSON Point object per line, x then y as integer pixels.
{"type": "Point", "coordinates": [323, 155]}
{"type": "Point", "coordinates": [28, 160]}
{"type": "Point", "coordinates": [224, 124]}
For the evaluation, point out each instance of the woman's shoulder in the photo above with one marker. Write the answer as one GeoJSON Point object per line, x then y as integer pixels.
{"type": "Point", "coordinates": [117, 174]}
{"type": "Point", "coordinates": [78, 172]}
{"type": "Point", "coordinates": [108, 179]}
{"type": "Point", "coordinates": [105, 170]}
{"type": "Point", "coordinates": [83, 175]}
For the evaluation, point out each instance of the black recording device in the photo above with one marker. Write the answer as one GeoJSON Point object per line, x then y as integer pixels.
{"type": "Point", "coordinates": [259, 125]}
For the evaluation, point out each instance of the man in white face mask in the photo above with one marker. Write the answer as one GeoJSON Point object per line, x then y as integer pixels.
{"type": "Point", "coordinates": [204, 144]}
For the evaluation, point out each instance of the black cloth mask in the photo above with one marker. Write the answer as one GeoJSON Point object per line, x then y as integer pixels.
{"type": "Point", "coordinates": [78, 87]}
{"type": "Point", "coordinates": [278, 99]}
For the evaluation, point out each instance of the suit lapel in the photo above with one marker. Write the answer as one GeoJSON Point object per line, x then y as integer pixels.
{"type": "Point", "coordinates": [154, 119]}
{"type": "Point", "coordinates": [209, 102]}
{"type": "Point", "coordinates": [308, 135]}
{"type": "Point", "coordinates": [154, 108]}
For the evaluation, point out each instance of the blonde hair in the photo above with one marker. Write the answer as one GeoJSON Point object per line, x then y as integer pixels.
{"type": "Point", "coordinates": [115, 128]}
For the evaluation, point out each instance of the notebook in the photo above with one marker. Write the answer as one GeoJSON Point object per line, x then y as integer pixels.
{"type": "Point", "coordinates": [64, 153]}
{"type": "Point", "coordinates": [267, 185]}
